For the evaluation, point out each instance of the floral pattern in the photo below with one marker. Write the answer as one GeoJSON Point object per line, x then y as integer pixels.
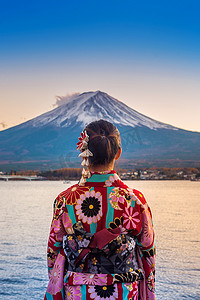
{"type": "Point", "coordinates": [108, 292]}
{"type": "Point", "coordinates": [119, 198]}
{"type": "Point", "coordinates": [57, 276]}
{"type": "Point", "coordinates": [72, 194]}
{"type": "Point", "coordinates": [112, 179]}
{"type": "Point", "coordinates": [150, 282]}
{"type": "Point", "coordinates": [61, 225]}
{"type": "Point", "coordinates": [72, 292]}
{"type": "Point", "coordinates": [130, 218]}
{"type": "Point", "coordinates": [133, 288]}
{"type": "Point", "coordinates": [59, 205]}
{"type": "Point", "coordinates": [135, 293]}
{"type": "Point", "coordinates": [147, 237]}
{"type": "Point", "coordinates": [89, 207]}
{"type": "Point", "coordinates": [118, 222]}
{"type": "Point", "coordinates": [90, 279]}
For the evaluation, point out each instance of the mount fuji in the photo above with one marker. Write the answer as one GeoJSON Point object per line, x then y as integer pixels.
{"type": "Point", "coordinates": [49, 140]}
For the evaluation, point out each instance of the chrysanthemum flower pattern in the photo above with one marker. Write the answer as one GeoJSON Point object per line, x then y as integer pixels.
{"type": "Point", "coordinates": [147, 236]}
{"type": "Point", "coordinates": [56, 279]}
{"type": "Point", "coordinates": [61, 225]}
{"type": "Point", "coordinates": [89, 207]}
{"type": "Point", "coordinates": [72, 194]}
{"type": "Point", "coordinates": [101, 292]}
{"type": "Point", "coordinates": [90, 279]}
{"type": "Point", "coordinates": [72, 292]}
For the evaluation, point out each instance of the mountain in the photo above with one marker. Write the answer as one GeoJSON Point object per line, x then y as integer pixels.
{"type": "Point", "coordinates": [49, 140]}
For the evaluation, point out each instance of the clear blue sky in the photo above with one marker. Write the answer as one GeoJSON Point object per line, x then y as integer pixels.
{"type": "Point", "coordinates": [145, 53]}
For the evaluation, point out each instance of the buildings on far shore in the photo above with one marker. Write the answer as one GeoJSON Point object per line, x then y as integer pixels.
{"type": "Point", "coordinates": [162, 174]}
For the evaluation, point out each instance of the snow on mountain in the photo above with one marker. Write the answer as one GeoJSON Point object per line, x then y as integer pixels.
{"type": "Point", "coordinates": [91, 106]}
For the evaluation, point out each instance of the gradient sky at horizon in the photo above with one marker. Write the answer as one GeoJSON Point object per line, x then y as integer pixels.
{"type": "Point", "coordinates": [146, 54]}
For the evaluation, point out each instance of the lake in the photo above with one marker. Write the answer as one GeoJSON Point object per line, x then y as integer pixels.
{"type": "Point", "coordinates": [25, 217]}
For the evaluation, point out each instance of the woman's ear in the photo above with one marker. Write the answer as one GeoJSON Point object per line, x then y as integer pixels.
{"type": "Point", "coordinates": [119, 152]}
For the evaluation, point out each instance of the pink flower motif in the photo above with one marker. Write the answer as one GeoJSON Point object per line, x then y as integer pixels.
{"type": "Point", "coordinates": [89, 207]}
{"type": "Point", "coordinates": [61, 225]}
{"type": "Point", "coordinates": [89, 278]}
{"type": "Point", "coordinates": [148, 233]}
{"type": "Point", "coordinates": [131, 218]}
{"type": "Point", "coordinates": [67, 222]}
{"type": "Point", "coordinates": [119, 198]}
{"type": "Point", "coordinates": [58, 229]}
{"type": "Point", "coordinates": [111, 179]}
{"type": "Point", "coordinates": [56, 277]}
{"type": "Point", "coordinates": [151, 262]}
{"type": "Point", "coordinates": [72, 292]}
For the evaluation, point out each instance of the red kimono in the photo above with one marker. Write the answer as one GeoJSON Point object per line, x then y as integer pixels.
{"type": "Point", "coordinates": [101, 243]}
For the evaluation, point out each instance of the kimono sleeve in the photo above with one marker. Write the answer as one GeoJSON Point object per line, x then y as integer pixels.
{"type": "Point", "coordinates": [61, 225]}
{"type": "Point", "coordinates": [146, 247]}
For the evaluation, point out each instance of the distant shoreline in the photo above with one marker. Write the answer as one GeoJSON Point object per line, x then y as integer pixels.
{"type": "Point", "coordinates": [74, 174]}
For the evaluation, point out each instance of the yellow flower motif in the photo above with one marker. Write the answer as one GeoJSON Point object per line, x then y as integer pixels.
{"type": "Point", "coordinates": [119, 250]}
{"type": "Point", "coordinates": [94, 260]}
{"type": "Point", "coordinates": [130, 270]}
{"type": "Point", "coordinates": [79, 237]}
{"type": "Point", "coordinates": [69, 238]}
{"type": "Point", "coordinates": [82, 266]}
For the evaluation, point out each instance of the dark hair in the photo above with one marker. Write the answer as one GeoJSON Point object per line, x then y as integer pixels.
{"type": "Point", "coordinates": [104, 142]}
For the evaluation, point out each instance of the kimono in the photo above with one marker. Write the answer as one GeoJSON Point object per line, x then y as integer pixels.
{"type": "Point", "coordinates": [101, 244]}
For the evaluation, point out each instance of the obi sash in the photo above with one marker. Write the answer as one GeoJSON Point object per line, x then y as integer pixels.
{"type": "Point", "coordinates": [108, 251]}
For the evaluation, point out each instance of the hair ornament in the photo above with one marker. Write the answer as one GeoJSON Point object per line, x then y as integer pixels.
{"type": "Point", "coordinates": [83, 141]}
{"type": "Point", "coordinates": [85, 163]}
{"type": "Point", "coordinates": [86, 153]}
{"type": "Point", "coordinates": [83, 146]}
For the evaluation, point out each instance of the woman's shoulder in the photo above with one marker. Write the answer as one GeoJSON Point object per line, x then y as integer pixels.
{"type": "Point", "coordinates": [71, 194]}
{"type": "Point", "coordinates": [67, 197]}
{"type": "Point", "coordinates": [138, 195]}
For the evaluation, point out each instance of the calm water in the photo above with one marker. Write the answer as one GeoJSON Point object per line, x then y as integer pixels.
{"type": "Point", "coordinates": [25, 216]}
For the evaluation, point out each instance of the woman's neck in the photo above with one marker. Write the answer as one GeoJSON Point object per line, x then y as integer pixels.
{"type": "Point", "coordinates": [101, 168]}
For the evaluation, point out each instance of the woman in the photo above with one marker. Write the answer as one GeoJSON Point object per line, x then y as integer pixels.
{"type": "Point", "coordinates": [101, 242]}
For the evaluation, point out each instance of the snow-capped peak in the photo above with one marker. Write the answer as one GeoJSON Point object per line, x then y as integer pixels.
{"type": "Point", "coordinates": [90, 106]}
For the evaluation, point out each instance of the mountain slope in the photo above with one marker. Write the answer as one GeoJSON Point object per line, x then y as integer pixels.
{"type": "Point", "coordinates": [49, 140]}
{"type": "Point", "coordinates": [91, 106]}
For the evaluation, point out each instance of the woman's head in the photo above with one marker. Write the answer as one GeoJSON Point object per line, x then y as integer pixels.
{"type": "Point", "coordinates": [104, 142]}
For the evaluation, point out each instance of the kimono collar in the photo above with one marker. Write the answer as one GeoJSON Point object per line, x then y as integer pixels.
{"type": "Point", "coordinates": [102, 176]}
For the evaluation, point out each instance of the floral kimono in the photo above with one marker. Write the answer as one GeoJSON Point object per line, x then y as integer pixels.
{"type": "Point", "coordinates": [101, 243]}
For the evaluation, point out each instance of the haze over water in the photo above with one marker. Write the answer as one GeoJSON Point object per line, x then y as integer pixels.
{"type": "Point", "coordinates": [25, 216]}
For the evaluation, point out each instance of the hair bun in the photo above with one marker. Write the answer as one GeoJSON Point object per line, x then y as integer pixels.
{"type": "Point", "coordinates": [104, 142]}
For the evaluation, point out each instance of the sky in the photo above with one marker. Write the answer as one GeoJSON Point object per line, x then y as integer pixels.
{"type": "Point", "coordinates": [144, 53]}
